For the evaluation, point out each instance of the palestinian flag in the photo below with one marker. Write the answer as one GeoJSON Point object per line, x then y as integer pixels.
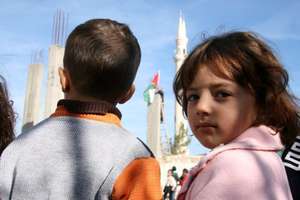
{"type": "Point", "coordinates": [150, 91]}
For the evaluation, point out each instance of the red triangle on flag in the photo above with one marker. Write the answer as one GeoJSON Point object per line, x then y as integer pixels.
{"type": "Point", "coordinates": [155, 80]}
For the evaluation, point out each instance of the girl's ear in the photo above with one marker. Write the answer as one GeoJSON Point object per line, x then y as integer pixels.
{"type": "Point", "coordinates": [64, 79]}
{"type": "Point", "coordinates": [127, 95]}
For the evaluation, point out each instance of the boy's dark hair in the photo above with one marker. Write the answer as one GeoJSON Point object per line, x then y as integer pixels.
{"type": "Point", "coordinates": [7, 117]}
{"type": "Point", "coordinates": [245, 59]}
{"type": "Point", "coordinates": [185, 170]}
{"type": "Point", "coordinates": [174, 168]}
{"type": "Point", "coordinates": [102, 57]}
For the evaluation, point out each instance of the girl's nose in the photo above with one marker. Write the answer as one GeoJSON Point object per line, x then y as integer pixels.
{"type": "Point", "coordinates": [204, 104]}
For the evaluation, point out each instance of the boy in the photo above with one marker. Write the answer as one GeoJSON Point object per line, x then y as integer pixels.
{"type": "Point", "coordinates": [82, 151]}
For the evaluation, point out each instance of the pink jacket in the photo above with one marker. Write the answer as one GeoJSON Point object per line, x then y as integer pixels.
{"type": "Point", "coordinates": [246, 168]}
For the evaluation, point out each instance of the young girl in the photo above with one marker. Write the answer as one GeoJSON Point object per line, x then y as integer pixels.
{"type": "Point", "coordinates": [233, 91]}
{"type": "Point", "coordinates": [7, 117]}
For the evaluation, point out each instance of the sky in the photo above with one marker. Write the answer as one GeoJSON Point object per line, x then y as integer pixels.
{"type": "Point", "coordinates": [26, 27]}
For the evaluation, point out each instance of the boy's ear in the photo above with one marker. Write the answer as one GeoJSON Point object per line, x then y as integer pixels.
{"type": "Point", "coordinates": [128, 94]}
{"type": "Point", "coordinates": [64, 79]}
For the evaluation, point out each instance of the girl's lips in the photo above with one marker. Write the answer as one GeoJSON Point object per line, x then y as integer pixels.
{"type": "Point", "coordinates": [206, 125]}
{"type": "Point", "coordinates": [205, 128]}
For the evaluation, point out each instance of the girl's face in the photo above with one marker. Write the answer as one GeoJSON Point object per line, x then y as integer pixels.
{"type": "Point", "coordinates": [218, 109]}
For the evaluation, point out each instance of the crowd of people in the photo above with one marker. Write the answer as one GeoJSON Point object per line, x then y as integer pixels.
{"type": "Point", "coordinates": [174, 183]}
{"type": "Point", "coordinates": [233, 91]}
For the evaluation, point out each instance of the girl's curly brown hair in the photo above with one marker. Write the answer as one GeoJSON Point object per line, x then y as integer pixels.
{"type": "Point", "coordinates": [246, 59]}
{"type": "Point", "coordinates": [7, 117]}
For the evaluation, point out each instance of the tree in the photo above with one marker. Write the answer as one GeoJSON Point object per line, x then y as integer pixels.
{"type": "Point", "coordinates": [181, 141]}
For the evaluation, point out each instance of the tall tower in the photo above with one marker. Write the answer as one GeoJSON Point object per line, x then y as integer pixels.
{"type": "Point", "coordinates": [33, 88]}
{"type": "Point", "coordinates": [154, 118]}
{"type": "Point", "coordinates": [55, 60]}
{"type": "Point", "coordinates": [54, 92]}
{"type": "Point", "coordinates": [181, 54]}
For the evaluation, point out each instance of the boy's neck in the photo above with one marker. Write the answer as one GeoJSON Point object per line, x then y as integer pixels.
{"type": "Point", "coordinates": [86, 99]}
{"type": "Point", "coordinates": [72, 106]}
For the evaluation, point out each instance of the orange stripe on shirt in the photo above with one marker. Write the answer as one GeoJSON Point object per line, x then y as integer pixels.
{"type": "Point", "coordinates": [140, 180]}
{"type": "Point", "coordinates": [108, 117]}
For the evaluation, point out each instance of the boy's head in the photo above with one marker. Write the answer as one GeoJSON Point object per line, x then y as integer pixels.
{"type": "Point", "coordinates": [174, 169]}
{"type": "Point", "coordinates": [101, 60]}
{"type": "Point", "coordinates": [185, 171]}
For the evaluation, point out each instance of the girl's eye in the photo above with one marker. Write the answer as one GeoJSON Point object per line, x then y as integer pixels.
{"type": "Point", "coordinates": [222, 94]}
{"type": "Point", "coordinates": [192, 97]}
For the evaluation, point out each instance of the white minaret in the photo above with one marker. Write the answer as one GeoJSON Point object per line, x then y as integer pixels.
{"type": "Point", "coordinates": [33, 89]}
{"type": "Point", "coordinates": [181, 54]}
{"type": "Point", "coordinates": [154, 120]}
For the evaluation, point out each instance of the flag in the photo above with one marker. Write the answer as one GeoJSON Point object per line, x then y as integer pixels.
{"type": "Point", "coordinates": [149, 94]}
{"type": "Point", "coordinates": [150, 91]}
{"type": "Point", "coordinates": [155, 80]}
